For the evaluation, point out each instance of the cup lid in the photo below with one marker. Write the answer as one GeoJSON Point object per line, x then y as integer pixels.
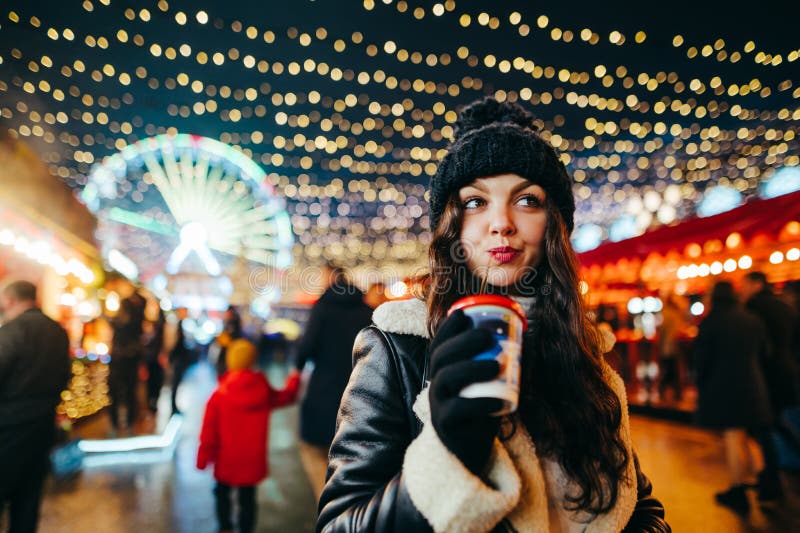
{"type": "Point", "coordinates": [490, 299]}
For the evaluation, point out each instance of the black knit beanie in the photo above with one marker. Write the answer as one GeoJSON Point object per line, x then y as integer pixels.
{"type": "Point", "coordinates": [493, 138]}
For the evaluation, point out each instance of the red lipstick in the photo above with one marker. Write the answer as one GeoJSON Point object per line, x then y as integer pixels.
{"type": "Point", "coordinates": [503, 254]}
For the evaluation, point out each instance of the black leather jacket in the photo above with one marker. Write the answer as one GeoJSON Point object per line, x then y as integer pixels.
{"type": "Point", "coordinates": [366, 489]}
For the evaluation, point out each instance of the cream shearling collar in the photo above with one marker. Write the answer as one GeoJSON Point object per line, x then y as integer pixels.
{"type": "Point", "coordinates": [406, 317]}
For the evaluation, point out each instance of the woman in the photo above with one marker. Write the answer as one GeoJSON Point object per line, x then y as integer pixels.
{"type": "Point", "coordinates": [409, 453]}
{"type": "Point", "coordinates": [732, 396]}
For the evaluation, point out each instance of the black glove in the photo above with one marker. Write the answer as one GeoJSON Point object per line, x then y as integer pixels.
{"type": "Point", "coordinates": [465, 425]}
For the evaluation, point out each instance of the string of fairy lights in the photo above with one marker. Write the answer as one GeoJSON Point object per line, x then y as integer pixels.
{"type": "Point", "coordinates": [616, 37]}
{"type": "Point", "coordinates": [754, 83]}
{"type": "Point", "coordinates": [519, 63]}
{"type": "Point", "coordinates": [349, 126]}
{"type": "Point", "coordinates": [570, 98]}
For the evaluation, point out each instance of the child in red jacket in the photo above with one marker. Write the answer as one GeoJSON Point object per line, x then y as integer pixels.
{"type": "Point", "coordinates": [235, 432]}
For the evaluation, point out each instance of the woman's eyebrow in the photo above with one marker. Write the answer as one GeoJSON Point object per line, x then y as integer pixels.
{"type": "Point", "coordinates": [524, 185]}
{"type": "Point", "coordinates": [477, 185]}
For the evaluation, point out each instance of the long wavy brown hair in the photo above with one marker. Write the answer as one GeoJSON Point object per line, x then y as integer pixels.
{"type": "Point", "coordinates": [571, 413]}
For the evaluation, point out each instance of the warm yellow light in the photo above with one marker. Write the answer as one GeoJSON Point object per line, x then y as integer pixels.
{"type": "Point", "coordinates": [733, 240]}
{"type": "Point", "coordinates": [776, 257]}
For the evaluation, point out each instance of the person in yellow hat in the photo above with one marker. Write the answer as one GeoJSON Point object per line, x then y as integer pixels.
{"type": "Point", "coordinates": [235, 437]}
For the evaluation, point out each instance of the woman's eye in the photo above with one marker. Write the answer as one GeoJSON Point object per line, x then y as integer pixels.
{"type": "Point", "coordinates": [473, 203]}
{"type": "Point", "coordinates": [530, 200]}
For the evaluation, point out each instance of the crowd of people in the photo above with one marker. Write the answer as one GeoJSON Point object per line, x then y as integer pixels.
{"type": "Point", "coordinates": [747, 377]}
{"type": "Point", "coordinates": [145, 348]}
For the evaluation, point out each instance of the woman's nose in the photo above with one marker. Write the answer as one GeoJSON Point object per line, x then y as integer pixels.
{"type": "Point", "coordinates": [501, 223]}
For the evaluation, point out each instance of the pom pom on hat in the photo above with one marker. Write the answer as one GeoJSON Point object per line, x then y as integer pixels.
{"type": "Point", "coordinates": [488, 111]}
{"type": "Point", "coordinates": [241, 354]}
{"type": "Point", "coordinates": [494, 138]}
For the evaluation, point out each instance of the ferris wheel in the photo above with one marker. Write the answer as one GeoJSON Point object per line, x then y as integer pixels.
{"type": "Point", "coordinates": [187, 204]}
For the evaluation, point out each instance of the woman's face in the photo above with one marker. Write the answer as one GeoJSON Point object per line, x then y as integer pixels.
{"type": "Point", "coordinates": [502, 232]}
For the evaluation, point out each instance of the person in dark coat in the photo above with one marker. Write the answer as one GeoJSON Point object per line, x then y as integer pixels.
{"type": "Point", "coordinates": [127, 353]}
{"type": "Point", "coordinates": [181, 355]}
{"type": "Point", "coordinates": [778, 319]}
{"type": "Point", "coordinates": [34, 370]}
{"type": "Point", "coordinates": [732, 395]}
{"type": "Point", "coordinates": [335, 320]}
{"type": "Point", "coordinates": [791, 292]}
{"type": "Point", "coordinates": [153, 349]}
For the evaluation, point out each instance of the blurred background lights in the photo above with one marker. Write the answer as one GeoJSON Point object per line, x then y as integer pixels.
{"type": "Point", "coordinates": [159, 283]}
{"type": "Point", "coordinates": [785, 181]}
{"type": "Point", "coordinates": [666, 214]}
{"type": "Point", "coordinates": [697, 308]}
{"type": "Point", "coordinates": [652, 200]}
{"type": "Point", "coordinates": [123, 264]}
{"type": "Point", "coordinates": [651, 304]}
{"type": "Point", "coordinates": [67, 299]}
{"type": "Point", "coordinates": [112, 302]}
{"type": "Point", "coordinates": [587, 237]}
{"type": "Point", "coordinates": [717, 200]}
{"type": "Point", "coordinates": [635, 305]}
{"type": "Point", "coordinates": [341, 172]}
{"type": "Point", "coordinates": [623, 228]}
{"type": "Point", "coordinates": [583, 287]}
{"type": "Point", "coordinates": [398, 289]}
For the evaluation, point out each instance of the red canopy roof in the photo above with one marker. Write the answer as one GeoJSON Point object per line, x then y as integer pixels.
{"type": "Point", "coordinates": [760, 216]}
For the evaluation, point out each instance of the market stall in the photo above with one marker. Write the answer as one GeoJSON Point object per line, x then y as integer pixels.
{"type": "Point", "coordinates": [684, 258]}
{"type": "Point", "coordinates": [629, 280]}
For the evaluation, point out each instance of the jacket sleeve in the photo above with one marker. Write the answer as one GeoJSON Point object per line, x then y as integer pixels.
{"type": "Point", "coordinates": [366, 490]}
{"type": "Point", "coordinates": [648, 515]}
{"type": "Point", "coordinates": [209, 436]}
{"type": "Point", "coordinates": [288, 393]}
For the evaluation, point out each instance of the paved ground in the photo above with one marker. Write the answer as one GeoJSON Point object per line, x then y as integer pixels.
{"type": "Point", "coordinates": [164, 494]}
